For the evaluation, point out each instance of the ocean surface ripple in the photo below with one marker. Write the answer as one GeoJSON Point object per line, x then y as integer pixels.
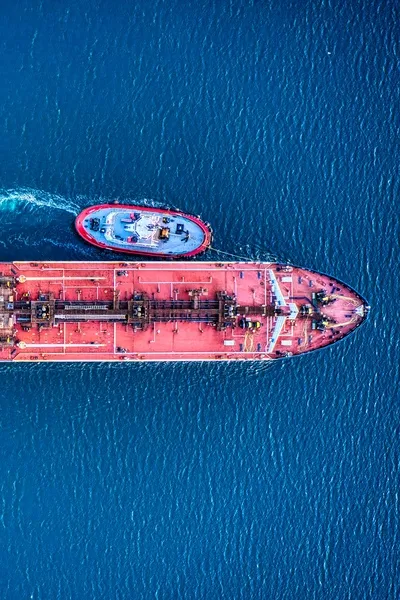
{"type": "Point", "coordinates": [277, 122]}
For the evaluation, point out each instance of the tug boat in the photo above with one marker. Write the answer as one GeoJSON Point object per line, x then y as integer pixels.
{"type": "Point", "coordinates": [148, 231]}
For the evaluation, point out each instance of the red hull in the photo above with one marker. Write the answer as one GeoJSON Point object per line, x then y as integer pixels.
{"type": "Point", "coordinates": [105, 311]}
{"type": "Point", "coordinates": [87, 212]}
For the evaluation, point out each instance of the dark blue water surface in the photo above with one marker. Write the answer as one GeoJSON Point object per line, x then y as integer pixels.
{"type": "Point", "coordinates": [278, 121]}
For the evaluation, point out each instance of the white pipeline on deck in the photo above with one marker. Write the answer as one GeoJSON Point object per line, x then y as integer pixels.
{"type": "Point", "coordinates": [61, 345]}
{"type": "Point", "coordinates": [61, 278]}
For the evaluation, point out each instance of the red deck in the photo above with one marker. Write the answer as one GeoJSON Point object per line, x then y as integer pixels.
{"type": "Point", "coordinates": [268, 302]}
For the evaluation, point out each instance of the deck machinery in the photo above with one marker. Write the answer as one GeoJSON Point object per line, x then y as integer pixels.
{"type": "Point", "coordinates": [139, 312]}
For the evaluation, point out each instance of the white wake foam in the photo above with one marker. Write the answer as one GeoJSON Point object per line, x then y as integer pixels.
{"type": "Point", "coordinates": [12, 199]}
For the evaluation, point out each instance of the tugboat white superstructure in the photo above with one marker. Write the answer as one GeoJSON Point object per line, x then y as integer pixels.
{"type": "Point", "coordinates": [143, 230]}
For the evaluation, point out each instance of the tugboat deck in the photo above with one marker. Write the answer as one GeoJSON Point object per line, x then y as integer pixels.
{"type": "Point", "coordinates": [143, 230]}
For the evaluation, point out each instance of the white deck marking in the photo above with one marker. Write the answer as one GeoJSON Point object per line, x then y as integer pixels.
{"type": "Point", "coordinates": [61, 345]}
{"type": "Point", "coordinates": [280, 321]}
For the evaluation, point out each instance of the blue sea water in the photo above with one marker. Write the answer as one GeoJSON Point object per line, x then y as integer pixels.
{"type": "Point", "coordinates": [276, 120]}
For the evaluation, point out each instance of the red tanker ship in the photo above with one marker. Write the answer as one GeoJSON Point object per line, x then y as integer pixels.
{"type": "Point", "coordinates": [110, 311]}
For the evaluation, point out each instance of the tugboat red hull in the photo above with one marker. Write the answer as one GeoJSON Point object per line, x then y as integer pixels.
{"type": "Point", "coordinates": [145, 231]}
